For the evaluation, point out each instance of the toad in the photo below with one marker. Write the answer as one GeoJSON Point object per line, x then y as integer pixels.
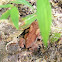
{"type": "Point", "coordinates": [31, 37]}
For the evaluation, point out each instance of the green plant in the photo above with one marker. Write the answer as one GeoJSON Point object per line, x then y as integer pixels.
{"type": "Point", "coordinates": [54, 37]}
{"type": "Point", "coordinates": [44, 18]}
{"type": "Point", "coordinates": [13, 11]}
{"type": "Point", "coordinates": [43, 15]}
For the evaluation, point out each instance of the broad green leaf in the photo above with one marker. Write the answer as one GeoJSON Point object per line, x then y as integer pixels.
{"type": "Point", "coordinates": [5, 15]}
{"type": "Point", "coordinates": [44, 19]}
{"type": "Point", "coordinates": [28, 20]}
{"type": "Point", "coordinates": [14, 14]}
{"type": "Point", "coordinates": [54, 37]}
{"type": "Point", "coordinates": [5, 6]}
{"type": "Point", "coordinates": [22, 2]}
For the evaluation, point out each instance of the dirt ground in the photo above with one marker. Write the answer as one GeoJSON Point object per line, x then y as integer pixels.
{"type": "Point", "coordinates": [25, 45]}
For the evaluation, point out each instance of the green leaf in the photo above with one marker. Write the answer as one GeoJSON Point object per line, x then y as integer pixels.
{"type": "Point", "coordinates": [22, 2]}
{"type": "Point", "coordinates": [44, 17]}
{"type": "Point", "coordinates": [5, 6]}
{"type": "Point", "coordinates": [5, 15]}
{"type": "Point", "coordinates": [54, 37]}
{"type": "Point", "coordinates": [14, 14]}
{"type": "Point", "coordinates": [28, 20]}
